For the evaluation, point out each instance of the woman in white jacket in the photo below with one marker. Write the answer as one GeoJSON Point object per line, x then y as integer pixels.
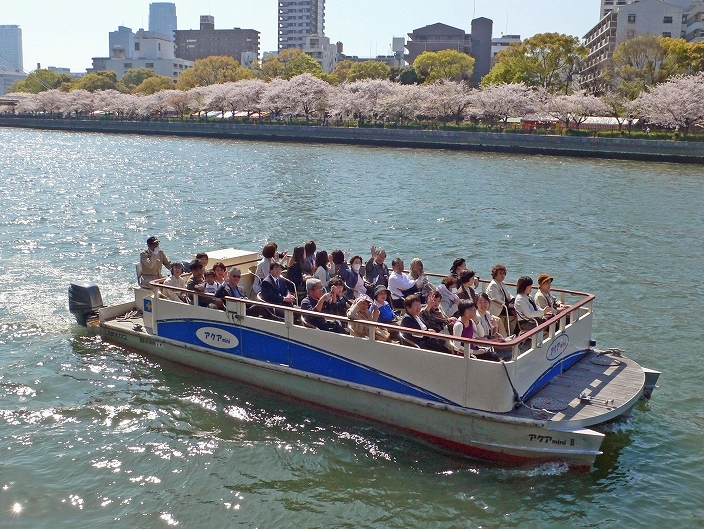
{"type": "Point", "coordinates": [529, 314]}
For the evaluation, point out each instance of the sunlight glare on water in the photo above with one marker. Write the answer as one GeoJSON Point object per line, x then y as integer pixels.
{"type": "Point", "coordinates": [92, 434]}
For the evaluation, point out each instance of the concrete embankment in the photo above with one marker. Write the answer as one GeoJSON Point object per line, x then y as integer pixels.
{"type": "Point", "coordinates": [618, 148]}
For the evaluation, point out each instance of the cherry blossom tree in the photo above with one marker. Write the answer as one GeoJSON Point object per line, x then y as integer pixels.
{"type": "Point", "coordinates": [677, 103]}
{"type": "Point", "coordinates": [404, 103]}
{"type": "Point", "coordinates": [576, 107]}
{"type": "Point", "coordinates": [499, 102]}
{"type": "Point", "coordinates": [277, 97]}
{"type": "Point", "coordinates": [359, 99]}
{"type": "Point", "coordinates": [79, 102]}
{"type": "Point", "coordinates": [448, 100]}
{"type": "Point", "coordinates": [309, 94]}
{"type": "Point", "coordinates": [50, 101]}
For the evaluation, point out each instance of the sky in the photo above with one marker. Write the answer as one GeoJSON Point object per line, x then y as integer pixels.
{"type": "Point", "coordinates": [68, 33]}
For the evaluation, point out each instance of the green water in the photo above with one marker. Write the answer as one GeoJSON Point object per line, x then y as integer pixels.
{"type": "Point", "coordinates": [92, 435]}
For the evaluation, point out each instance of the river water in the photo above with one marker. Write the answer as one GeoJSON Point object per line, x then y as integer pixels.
{"type": "Point", "coordinates": [92, 435]}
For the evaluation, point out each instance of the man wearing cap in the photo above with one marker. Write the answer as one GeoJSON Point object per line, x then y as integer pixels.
{"type": "Point", "coordinates": [152, 259]}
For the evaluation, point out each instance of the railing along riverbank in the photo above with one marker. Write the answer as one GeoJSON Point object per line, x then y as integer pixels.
{"type": "Point", "coordinates": [586, 147]}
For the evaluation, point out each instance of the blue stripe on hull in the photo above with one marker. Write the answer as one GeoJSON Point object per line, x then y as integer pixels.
{"type": "Point", "coordinates": [270, 348]}
{"type": "Point", "coordinates": [559, 367]}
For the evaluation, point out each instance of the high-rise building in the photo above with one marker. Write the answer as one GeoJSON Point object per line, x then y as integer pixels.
{"type": "Point", "coordinates": [122, 39]}
{"type": "Point", "coordinates": [162, 17]}
{"type": "Point", "coordinates": [607, 6]}
{"type": "Point", "coordinates": [299, 19]}
{"type": "Point", "coordinates": [11, 49]}
{"type": "Point", "coordinates": [194, 44]}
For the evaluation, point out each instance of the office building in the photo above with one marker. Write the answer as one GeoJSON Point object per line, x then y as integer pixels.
{"type": "Point", "coordinates": [299, 19]}
{"type": "Point", "coordinates": [438, 37]}
{"type": "Point", "coordinates": [11, 49]}
{"type": "Point", "coordinates": [123, 39]}
{"type": "Point", "coordinates": [151, 49]}
{"type": "Point", "coordinates": [240, 44]}
{"type": "Point", "coordinates": [607, 6]}
{"type": "Point", "coordinates": [162, 17]}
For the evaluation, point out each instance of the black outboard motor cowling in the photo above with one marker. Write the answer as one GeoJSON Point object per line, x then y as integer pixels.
{"type": "Point", "coordinates": [84, 300]}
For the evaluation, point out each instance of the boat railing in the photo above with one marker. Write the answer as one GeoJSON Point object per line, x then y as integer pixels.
{"type": "Point", "coordinates": [542, 333]}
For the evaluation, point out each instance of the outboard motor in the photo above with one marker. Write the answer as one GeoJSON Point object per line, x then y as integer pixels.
{"type": "Point", "coordinates": [84, 300]}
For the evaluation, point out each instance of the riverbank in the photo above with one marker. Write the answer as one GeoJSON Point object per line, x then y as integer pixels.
{"type": "Point", "coordinates": [586, 147]}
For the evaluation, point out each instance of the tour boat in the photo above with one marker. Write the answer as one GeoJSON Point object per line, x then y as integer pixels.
{"type": "Point", "coordinates": [548, 401]}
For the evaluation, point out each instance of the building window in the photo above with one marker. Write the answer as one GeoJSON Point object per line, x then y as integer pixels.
{"type": "Point", "coordinates": [149, 65]}
{"type": "Point", "coordinates": [159, 45]}
{"type": "Point", "coordinates": [631, 18]}
{"type": "Point", "coordinates": [667, 20]}
{"type": "Point", "coordinates": [136, 46]}
{"type": "Point", "coordinates": [128, 65]}
{"type": "Point", "coordinates": [666, 34]}
{"type": "Point", "coordinates": [630, 33]}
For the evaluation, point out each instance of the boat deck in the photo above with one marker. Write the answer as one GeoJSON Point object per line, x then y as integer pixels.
{"type": "Point", "coordinates": [613, 388]}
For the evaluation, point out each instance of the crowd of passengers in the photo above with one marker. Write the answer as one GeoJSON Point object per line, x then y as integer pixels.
{"type": "Point", "coordinates": [336, 284]}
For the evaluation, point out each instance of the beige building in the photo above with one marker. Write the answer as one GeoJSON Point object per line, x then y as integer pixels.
{"type": "Point", "coordinates": [501, 43]}
{"type": "Point", "coordinates": [325, 53]}
{"type": "Point", "coordinates": [152, 50]}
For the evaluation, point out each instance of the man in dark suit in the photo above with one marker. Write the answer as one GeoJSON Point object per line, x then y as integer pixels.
{"type": "Point", "coordinates": [412, 320]}
{"type": "Point", "coordinates": [275, 289]}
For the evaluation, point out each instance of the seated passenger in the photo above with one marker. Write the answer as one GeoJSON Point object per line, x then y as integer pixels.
{"type": "Point", "coordinates": [400, 284]}
{"type": "Point", "coordinates": [493, 326]}
{"type": "Point", "coordinates": [220, 273]}
{"type": "Point", "coordinates": [338, 303]}
{"type": "Point", "coordinates": [321, 268]}
{"type": "Point", "coordinates": [498, 294]}
{"type": "Point", "coordinates": [458, 265]}
{"type": "Point", "coordinates": [417, 272]}
{"type": "Point", "coordinates": [203, 258]}
{"type": "Point", "coordinates": [295, 269]}
{"type": "Point", "coordinates": [360, 311]}
{"type": "Point", "coordinates": [152, 259]}
{"type": "Point", "coordinates": [337, 258]}
{"type": "Point", "coordinates": [230, 289]}
{"type": "Point", "coordinates": [386, 312]}
{"type": "Point", "coordinates": [268, 252]}
{"type": "Point", "coordinates": [412, 320]}
{"type": "Point", "coordinates": [309, 262]}
{"type": "Point", "coordinates": [544, 298]}
{"type": "Point", "coordinates": [448, 293]}
{"type": "Point", "coordinates": [196, 282]}
{"type": "Point", "coordinates": [375, 271]}
{"type": "Point", "coordinates": [275, 289]}
{"type": "Point", "coordinates": [353, 279]}
{"type": "Point", "coordinates": [211, 286]}
{"type": "Point", "coordinates": [529, 315]}
{"type": "Point", "coordinates": [433, 315]}
{"type": "Point", "coordinates": [467, 326]}
{"type": "Point", "coordinates": [175, 280]}
{"type": "Point", "coordinates": [466, 283]}
{"type": "Point", "coordinates": [314, 302]}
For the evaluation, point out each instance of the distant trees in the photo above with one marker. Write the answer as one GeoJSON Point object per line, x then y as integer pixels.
{"type": "Point", "coordinates": [546, 60]}
{"type": "Point", "coordinates": [95, 81]}
{"type": "Point", "coordinates": [40, 81]}
{"type": "Point", "coordinates": [444, 64]}
{"type": "Point", "coordinates": [213, 70]}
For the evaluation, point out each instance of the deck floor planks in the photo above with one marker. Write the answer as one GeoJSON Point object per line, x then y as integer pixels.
{"type": "Point", "coordinates": [620, 383]}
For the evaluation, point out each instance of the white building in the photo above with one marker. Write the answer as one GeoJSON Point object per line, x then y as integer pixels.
{"type": "Point", "coordinates": [501, 43]}
{"type": "Point", "coordinates": [607, 6]}
{"type": "Point", "coordinates": [299, 19]}
{"type": "Point", "coordinates": [623, 21]}
{"type": "Point", "coordinates": [8, 79]}
{"type": "Point", "coordinates": [322, 51]}
{"type": "Point", "coordinates": [152, 50]}
{"type": "Point", "coordinates": [162, 18]}
{"type": "Point", "coordinates": [11, 49]}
